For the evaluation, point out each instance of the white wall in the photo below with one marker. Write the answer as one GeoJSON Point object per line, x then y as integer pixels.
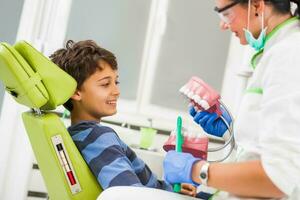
{"type": "Point", "coordinates": [1, 95]}
{"type": "Point", "coordinates": [234, 82]}
{"type": "Point", "coordinates": [13, 167]}
{"type": "Point", "coordinates": [16, 156]}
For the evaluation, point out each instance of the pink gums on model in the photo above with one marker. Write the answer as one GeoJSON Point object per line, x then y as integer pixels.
{"type": "Point", "coordinates": [197, 146]}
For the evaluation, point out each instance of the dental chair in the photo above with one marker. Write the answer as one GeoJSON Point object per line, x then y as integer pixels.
{"type": "Point", "coordinates": [34, 81]}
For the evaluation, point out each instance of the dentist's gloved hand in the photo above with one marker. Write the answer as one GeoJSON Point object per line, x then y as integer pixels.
{"type": "Point", "coordinates": [178, 167]}
{"type": "Point", "coordinates": [210, 122]}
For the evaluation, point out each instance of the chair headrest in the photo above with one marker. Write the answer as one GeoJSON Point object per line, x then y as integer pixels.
{"type": "Point", "coordinates": [32, 79]}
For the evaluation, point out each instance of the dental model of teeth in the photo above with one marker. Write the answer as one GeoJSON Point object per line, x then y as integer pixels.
{"type": "Point", "coordinates": [201, 96]}
{"type": "Point", "coordinates": [196, 145]}
{"type": "Point", "coordinates": [204, 98]}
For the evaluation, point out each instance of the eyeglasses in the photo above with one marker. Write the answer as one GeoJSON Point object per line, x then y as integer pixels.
{"type": "Point", "coordinates": [225, 13]}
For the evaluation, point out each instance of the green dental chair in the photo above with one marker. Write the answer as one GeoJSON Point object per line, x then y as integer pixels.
{"type": "Point", "coordinates": [34, 81]}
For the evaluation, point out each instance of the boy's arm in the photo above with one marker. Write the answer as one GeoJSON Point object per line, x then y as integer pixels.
{"type": "Point", "coordinates": [146, 176]}
{"type": "Point", "coordinates": [106, 158]}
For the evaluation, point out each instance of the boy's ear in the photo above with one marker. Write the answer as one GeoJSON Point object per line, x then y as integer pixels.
{"type": "Point", "coordinates": [76, 96]}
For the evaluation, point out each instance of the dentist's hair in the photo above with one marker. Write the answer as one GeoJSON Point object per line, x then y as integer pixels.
{"type": "Point", "coordinates": [281, 6]}
{"type": "Point", "coordinates": [81, 60]}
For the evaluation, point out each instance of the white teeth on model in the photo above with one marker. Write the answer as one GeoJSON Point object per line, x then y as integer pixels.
{"type": "Point", "coordinates": [191, 135]}
{"type": "Point", "coordinates": [190, 95]}
{"type": "Point", "coordinates": [182, 89]}
{"type": "Point", "coordinates": [186, 91]}
{"type": "Point", "coordinates": [197, 99]}
{"type": "Point", "coordinates": [184, 134]}
{"type": "Point", "coordinates": [204, 104]}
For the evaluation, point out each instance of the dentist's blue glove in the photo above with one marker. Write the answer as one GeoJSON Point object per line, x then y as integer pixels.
{"type": "Point", "coordinates": [178, 167]}
{"type": "Point", "coordinates": [210, 122]}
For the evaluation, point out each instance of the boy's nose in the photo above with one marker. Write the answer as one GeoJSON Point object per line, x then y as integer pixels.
{"type": "Point", "coordinates": [116, 90]}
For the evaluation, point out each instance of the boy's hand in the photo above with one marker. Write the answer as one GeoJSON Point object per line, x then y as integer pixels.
{"type": "Point", "coordinates": [188, 189]}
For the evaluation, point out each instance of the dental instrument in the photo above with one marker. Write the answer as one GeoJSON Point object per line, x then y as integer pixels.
{"type": "Point", "coordinates": [205, 98]}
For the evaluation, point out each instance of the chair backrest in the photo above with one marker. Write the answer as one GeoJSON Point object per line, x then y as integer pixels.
{"type": "Point", "coordinates": [34, 81]}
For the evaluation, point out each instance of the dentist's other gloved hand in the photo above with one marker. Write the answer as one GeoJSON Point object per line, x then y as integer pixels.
{"type": "Point", "coordinates": [210, 122]}
{"type": "Point", "coordinates": [178, 167]}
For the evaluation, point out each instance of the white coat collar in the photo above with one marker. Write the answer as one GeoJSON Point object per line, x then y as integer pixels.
{"type": "Point", "coordinates": [276, 35]}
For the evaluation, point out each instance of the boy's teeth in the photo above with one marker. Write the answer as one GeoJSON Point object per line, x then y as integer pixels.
{"type": "Point", "coordinates": [204, 104]}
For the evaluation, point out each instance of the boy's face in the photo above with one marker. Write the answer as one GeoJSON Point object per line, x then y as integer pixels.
{"type": "Point", "coordinates": [98, 95]}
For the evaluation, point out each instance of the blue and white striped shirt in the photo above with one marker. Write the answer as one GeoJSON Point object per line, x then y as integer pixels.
{"type": "Point", "coordinates": [110, 159]}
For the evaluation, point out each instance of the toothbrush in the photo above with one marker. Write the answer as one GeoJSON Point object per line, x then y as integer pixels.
{"type": "Point", "coordinates": [179, 142]}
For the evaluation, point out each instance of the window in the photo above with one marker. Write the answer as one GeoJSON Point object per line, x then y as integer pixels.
{"type": "Point", "coordinates": [190, 44]}
{"type": "Point", "coordinates": [9, 27]}
{"type": "Point", "coordinates": [159, 44]}
{"type": "Point", "coordinates": [119, 26]}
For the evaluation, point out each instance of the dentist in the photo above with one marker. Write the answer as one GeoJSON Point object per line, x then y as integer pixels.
{"type": "Point", "coordinates": [267, 126]}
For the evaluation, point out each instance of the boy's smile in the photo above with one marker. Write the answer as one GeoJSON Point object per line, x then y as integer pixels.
{"type": "Point", "coordinates": [98, 95]}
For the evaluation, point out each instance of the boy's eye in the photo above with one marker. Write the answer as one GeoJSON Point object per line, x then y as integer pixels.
{"type": "Point", "coordinates": [105, 84]}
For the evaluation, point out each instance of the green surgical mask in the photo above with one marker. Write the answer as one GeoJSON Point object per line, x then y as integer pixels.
{"type": "Point", "coordinates": [256, 43]}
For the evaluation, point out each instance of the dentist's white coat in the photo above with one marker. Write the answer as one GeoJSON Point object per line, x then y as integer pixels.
{"type": "Point", "coordinates": [268, 122]}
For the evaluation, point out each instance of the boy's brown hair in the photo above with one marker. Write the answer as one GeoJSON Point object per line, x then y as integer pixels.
{"type": "Point", "coordinates": [81, 60]}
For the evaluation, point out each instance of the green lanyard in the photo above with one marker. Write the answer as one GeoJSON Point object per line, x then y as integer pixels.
{"type": "Point", "coordinates": [255, 57]}
{"type": "Point", "coordinates": [269, 36]}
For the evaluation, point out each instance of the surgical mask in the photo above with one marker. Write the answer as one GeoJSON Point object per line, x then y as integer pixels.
{"type": "Point", "coordinates": [256, 43]}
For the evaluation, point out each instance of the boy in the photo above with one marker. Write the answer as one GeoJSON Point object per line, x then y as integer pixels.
{"type": "Point", "coordinates": [110, 159]}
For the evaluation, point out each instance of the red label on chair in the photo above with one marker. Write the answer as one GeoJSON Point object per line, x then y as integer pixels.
{"type": "Point", "coordinates": [66, 164]}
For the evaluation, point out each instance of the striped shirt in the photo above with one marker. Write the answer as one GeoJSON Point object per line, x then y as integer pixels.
{"type": "Point", "coordinates": [110, 159]}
